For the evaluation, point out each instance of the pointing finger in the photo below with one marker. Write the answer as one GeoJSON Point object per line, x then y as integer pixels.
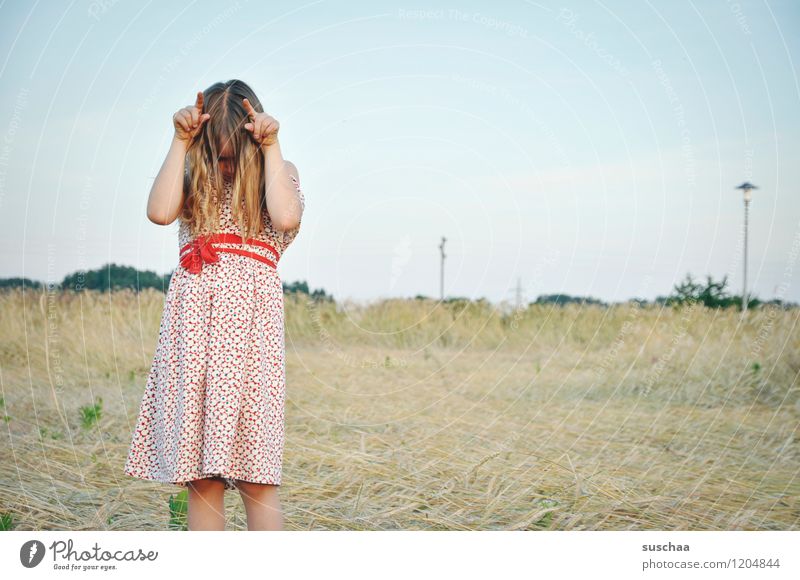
{"type": "Point", "coordinates": [199, 102]}
{"type": "Point", "coordinates": [249, 108]}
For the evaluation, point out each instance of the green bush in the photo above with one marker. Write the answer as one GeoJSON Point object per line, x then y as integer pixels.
{"type": "Point", "coordinates": [178, 511]}
{"type": "Point", "coordinates": [90, 414]}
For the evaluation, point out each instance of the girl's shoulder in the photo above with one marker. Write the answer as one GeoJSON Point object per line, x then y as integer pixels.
{"type": "Point", "coordinates": [296, 180]}
{"type": "Point", "coordinates": [288, 236]}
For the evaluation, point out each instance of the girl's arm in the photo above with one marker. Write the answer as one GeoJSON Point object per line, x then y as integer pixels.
{"type": "Point", "coordinates": [283, 203]}
{"type": "Point", "coordinates": [166, 195]}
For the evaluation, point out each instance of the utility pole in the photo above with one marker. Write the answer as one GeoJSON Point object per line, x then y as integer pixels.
{"type": "Point", "coordinates": [441, 271]}
{"type": "Point", "coordinates": [746, 187]}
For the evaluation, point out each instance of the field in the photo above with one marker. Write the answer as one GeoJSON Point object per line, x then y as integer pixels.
{"type": "Point", "coordinates": [415, 415]}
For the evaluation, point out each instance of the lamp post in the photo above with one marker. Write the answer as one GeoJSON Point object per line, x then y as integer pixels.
{"type": "Point", "coordinates": [746, 187]}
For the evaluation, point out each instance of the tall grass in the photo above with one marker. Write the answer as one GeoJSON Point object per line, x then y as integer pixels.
{"type": "Point", "coordinates": [413, 414]}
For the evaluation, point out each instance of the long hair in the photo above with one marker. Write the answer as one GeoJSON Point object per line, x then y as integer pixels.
{"type": "Point", "coordinates": [203, 179]}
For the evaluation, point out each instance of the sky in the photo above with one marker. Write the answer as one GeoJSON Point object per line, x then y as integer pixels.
{"type": "Point", "coordinates": [584, 148]}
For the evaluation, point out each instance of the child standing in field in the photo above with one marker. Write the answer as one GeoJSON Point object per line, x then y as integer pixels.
{"type": "Point", "coordinates": [212, 414]}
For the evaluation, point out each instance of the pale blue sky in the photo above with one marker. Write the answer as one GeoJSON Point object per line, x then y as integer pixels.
{"type": "Point", "coordinates": [586, 148]}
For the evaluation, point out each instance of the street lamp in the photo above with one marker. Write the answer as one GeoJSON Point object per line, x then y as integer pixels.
{"type": "Point", "coordinates": [746, 187]}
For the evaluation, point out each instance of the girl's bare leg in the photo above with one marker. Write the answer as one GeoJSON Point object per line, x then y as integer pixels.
{"type": "Point", "coordinates": [262, 505]}
{"type": "Point", "coordinates": [206, 504]}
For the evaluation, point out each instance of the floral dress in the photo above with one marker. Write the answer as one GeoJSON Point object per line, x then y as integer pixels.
{"type": "Point", "coordinates": [213, 404]}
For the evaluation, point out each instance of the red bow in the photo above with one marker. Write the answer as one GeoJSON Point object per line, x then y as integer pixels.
{"type": "Point", "coordinates": [201, 251]}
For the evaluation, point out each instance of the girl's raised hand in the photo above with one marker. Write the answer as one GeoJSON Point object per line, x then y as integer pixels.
{"type": "Point", "coordinates": [263, 128]}
{"type": "Point", "coordinates": [189, 120]}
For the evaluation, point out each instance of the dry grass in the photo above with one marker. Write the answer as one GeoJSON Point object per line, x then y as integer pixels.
{"type": "Point", "coordinates": [413, 415]}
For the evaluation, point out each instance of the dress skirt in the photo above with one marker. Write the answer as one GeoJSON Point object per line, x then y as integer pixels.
{"type": "Point", "coordinates": [213, 404]}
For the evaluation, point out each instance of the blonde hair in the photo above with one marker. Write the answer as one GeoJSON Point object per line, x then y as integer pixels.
{"type": "Point", "coordinates": [203, 179]}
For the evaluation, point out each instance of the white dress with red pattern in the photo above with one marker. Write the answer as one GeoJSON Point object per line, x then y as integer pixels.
{"type": "Point", "coordinates": [213, 405]}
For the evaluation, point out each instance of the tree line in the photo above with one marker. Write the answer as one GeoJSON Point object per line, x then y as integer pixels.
{"type": "Point", "coordinates": [117, 277]}
{"type": "Point", "coordinates": [711, 293]}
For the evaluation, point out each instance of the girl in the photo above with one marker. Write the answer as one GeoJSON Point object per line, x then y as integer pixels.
{"type": "Point", "coordinates": [212, 414]}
